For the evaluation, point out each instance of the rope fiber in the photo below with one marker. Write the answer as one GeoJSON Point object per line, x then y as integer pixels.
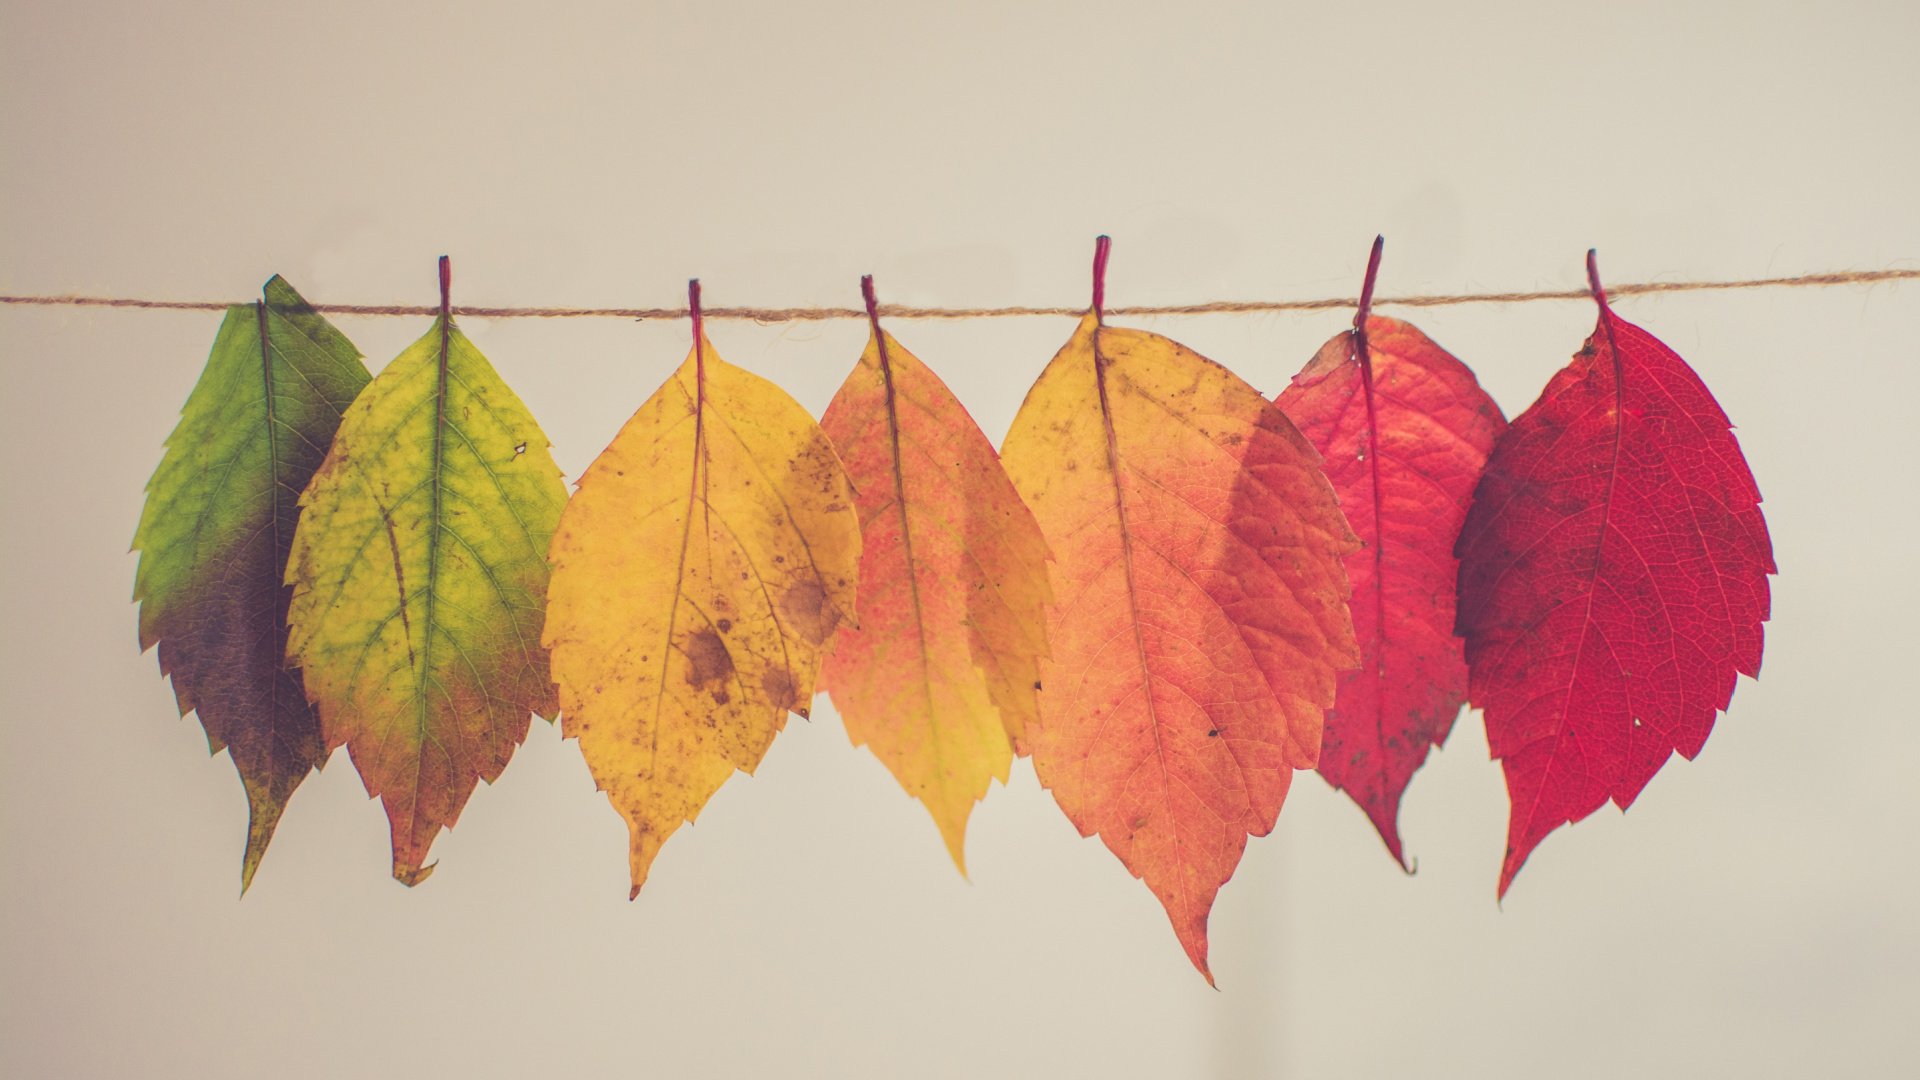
{"type": "Point", "coordinates": [895, 311]}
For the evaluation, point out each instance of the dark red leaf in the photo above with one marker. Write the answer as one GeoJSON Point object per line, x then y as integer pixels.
{"type": "Point", "coordinates": [1613, 579]}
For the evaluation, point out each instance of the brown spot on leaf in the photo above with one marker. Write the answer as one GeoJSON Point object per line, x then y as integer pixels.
{"type": "Point", "coordinates": [708, 662]}
{"type": "Point", "coordinates": [804, 607]}
{"type": "Point", "coordinates": [780, 689]}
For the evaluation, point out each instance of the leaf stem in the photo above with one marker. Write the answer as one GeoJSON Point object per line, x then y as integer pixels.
{"type": "Point", "coordinates": [1366, 294]}
{"type": "Point", "coordinates": [1593, 279]}
{"type": "Point", "coordinates": [699, 333]}
{"type": "Point", "coordinates": [873, 306]}
{"type": "Point", "coordinates": [1101, 248]}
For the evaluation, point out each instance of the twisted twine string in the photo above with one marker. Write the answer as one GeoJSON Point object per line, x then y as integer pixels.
{"type": "Point", "coordinates": [897, 311]}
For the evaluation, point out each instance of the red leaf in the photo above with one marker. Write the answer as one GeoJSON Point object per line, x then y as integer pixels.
{"type": "Point", "coordinates": [1613, 579]}
{"type": "Point", "coordinates": [1405, 430]}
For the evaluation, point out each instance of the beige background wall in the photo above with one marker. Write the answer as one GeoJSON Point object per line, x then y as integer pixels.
{"type": "Point", "coordinates": [1753, 916]}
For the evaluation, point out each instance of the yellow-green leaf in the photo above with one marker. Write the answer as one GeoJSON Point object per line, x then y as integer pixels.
{"type": "Point", "coordinates": [419, 574]}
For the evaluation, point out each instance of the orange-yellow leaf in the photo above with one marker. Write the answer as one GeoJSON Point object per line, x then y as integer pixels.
{"type": "Point", "coordinates": [1202, 618]}
{"type": "Point", "coordinates": [942, 670]}
{"type": "Point", "coordinates": [710, 552]}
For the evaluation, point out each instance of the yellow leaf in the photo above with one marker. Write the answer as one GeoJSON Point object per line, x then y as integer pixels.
{"type": "Point", "coordinates": [710, 552]}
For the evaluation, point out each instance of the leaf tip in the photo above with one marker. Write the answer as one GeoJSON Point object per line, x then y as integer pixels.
{"type": "Point", "coordinates": [1194, 940]}
{"type": "Point", "coordinates": [954, 833]}
{"type": "Point", "coordinates": [263, 816]}
{"type": "Point", "coordinates": [1510, 869]}
{"type": "Point", "coordinates": [410, 875]}
{"type": "Point", "coordinates": [1389, 831]}
{"type": "Point", "coordinates": [642, 847]}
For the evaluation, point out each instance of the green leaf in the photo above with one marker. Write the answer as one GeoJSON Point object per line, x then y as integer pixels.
{"type": "Point", "coordinates": [420, 577]}
{"type": "Point", "coordinates": [214, 537]}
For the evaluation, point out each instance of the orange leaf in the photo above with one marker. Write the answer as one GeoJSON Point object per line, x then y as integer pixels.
{"type": "Point", "coordinates": [709, 553]}
{"type": "Point", "coordinates": [1203, 617]}
{"type": "Point", "coordinates": [944, 664]}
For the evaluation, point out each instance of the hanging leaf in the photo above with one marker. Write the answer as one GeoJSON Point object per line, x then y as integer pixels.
{"type": "Point", "coordinates": [710, 552]}
{"type": "Point", "coordinates": [1203, 604]}
{"type": "Point", "coordinates": [214, 536]}
{"type": "Point", "coordinates": [1613, 579]}
{"type": "Point", "coordinates": [1405, 430]}
{"type": "Point", "coordinates": [419, 570]}
{"type": "Point", "coordinates": [942, 669]}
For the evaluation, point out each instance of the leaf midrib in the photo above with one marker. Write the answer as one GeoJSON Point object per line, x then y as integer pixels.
{"type": "Point", "coordinates": [1133, 610]}
{"type": "Point", "coordinates": [421, 710]}
{"type": "Point", "coordinates": [1587, 629]}
{"type": "Point", "coordinates": [913, 574]}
